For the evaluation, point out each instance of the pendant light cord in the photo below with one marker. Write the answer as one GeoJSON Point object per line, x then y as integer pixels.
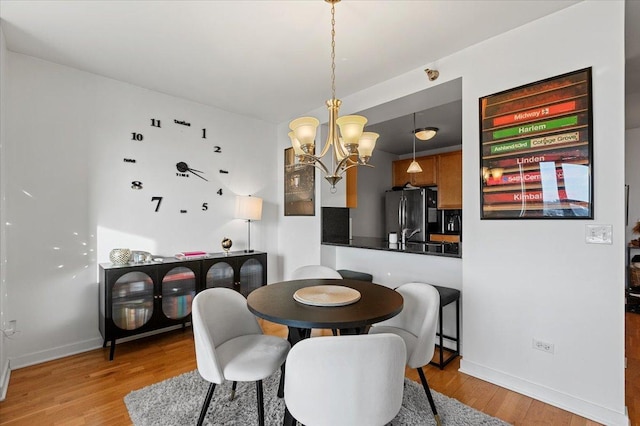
{"type": "Point", "coordinates": [414, 136]}
{"type": "Point", "coordinates": [333, 51]}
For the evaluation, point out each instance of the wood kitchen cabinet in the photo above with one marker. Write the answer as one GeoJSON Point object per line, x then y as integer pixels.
{"type": "Point", "coordinates": [428, 176]}
{"type": "Point", "coordinates": [450, 180]}
{"type": "Point", "coordinates": [352, 187]}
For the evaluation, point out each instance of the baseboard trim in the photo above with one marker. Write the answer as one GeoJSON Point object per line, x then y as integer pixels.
{"type": "Point", "coordinates": [54, 353]}
{"type": "Point", "coordinates": [4, 380]}
{"type": "Point", "coordinates": [77, 347]}
{"type": "Point", "coordinates": [549, 396]}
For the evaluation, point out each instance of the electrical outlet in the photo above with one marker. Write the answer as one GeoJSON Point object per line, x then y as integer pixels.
{"type": "Point", "coordinates": [543, 346]}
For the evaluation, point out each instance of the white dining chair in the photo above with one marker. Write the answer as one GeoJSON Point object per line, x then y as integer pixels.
{"type": "Point", "coordinates": [345, 380]}
{"type": "Point", "coordinates": [314, 271]}
{"type": "Point", "coordinates": [230, 344]}
{"type": "Point", "coordinates": [416, 324]}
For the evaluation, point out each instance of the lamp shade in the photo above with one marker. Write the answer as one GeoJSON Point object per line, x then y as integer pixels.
{"type": "Point", "coordinates": [304, 130]}
{"type": "Point", "coordinates": [414, 167]}
{"type": "Point", "coordinates": [426, 133]}
{"type": "Point", "coordinates": [296, 144]}
{"type": "Point", "coordinates": [248, 207]}
{"type": "Point", "coordinates": [367, 143]}
{"type": "Point", "coordinates": [351, 128]}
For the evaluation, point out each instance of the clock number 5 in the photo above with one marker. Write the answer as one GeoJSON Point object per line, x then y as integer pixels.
{"type": "Point", "coordinates": [205, 207]}
{"type": "Point", "coordinates": [159, 200]}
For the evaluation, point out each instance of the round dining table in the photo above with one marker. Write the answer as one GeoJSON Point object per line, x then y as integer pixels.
{"type": "Point", "coordinates": [276, 303]}
{"type": "Point", "coordinates": [282, 303]}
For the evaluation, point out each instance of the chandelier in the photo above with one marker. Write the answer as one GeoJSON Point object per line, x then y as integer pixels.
{"type": "Point", "coordinates": [349, 148]}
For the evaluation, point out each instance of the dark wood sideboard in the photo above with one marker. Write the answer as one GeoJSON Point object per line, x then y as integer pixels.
{"type": "Point", "coordinates": [146, 297]}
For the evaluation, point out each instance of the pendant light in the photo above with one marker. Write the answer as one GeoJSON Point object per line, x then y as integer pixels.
{"type": "Point", "coordinates": [350, 147]}
{"type": "Point", "coordinates": [414, 167]}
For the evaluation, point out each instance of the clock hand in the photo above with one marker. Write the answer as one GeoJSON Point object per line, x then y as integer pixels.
{"type": "Point", "coordinates": [194, 170]}
{"type": "Point", "coordinates": [191, 170]}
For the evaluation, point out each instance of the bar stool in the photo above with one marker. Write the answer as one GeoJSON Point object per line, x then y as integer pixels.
{"type": "Point", "coordinates": [447, 295]}
{"type": "Point", "coordinates": [355, 275]}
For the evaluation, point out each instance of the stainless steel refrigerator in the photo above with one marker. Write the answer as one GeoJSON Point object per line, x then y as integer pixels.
{"type": "Point", "coordinates": [411, 209]}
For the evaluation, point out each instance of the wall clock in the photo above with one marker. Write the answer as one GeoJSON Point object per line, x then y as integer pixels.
{"type": "Point", "coordinates": [174, 166]}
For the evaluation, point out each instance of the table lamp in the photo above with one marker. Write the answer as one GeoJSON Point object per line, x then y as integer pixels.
{"type": "Point", "coordinates": [248, 208]}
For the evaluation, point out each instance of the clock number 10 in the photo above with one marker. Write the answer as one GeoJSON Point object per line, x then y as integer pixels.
{"type": "Point", "coordinates": [136, 136]}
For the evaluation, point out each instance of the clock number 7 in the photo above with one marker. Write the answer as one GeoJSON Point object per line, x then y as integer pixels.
{"type": "Point", "coordinates": [159, 200]}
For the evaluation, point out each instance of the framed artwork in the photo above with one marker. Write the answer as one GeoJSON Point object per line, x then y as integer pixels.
{"type": "Point", "coordinates": [536, 150]}
{"type": "Point", "coordinates": [299, 187]}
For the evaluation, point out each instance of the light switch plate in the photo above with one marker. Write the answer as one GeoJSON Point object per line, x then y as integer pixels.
{"type": "Point", "coordinates": [598, 234]}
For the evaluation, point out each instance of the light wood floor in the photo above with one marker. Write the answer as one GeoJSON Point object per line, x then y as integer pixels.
{"type": "Point", "coordinates": [87, 389]}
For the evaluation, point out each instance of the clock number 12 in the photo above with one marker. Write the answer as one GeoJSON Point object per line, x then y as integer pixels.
{"type": "Point", "coordinates": [159, 200]}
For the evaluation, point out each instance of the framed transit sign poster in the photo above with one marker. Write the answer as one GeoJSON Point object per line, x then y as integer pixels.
{"type": "Point", "coordinates": [537, 150]}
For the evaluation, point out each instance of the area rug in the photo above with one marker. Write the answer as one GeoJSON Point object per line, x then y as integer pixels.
{"type": "Point", "coordinates": [177, 401]}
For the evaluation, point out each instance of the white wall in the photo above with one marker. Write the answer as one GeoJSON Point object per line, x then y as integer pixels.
{"type": "Point", "coordinates": [536, 278]}
{"type": "Point", "coordinates": [632, 174]}
{"type": "Point", "coordinates": [70, 199]}
{"type": "Point", "coordinates": [4, 361]}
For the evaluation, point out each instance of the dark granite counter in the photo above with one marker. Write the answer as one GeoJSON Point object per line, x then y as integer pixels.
{"type": "Point", "coordinates": [432, 249]}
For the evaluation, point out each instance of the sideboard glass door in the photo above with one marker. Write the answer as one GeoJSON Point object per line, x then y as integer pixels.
{"type": "Point", "coordinates": [220, 274]}
{"type": "Point", "coordinates": [132, 300]}
{"type": "Point", "coordinates": [178, 290]}
{"type": "Point", "coordinates": [251, 274]}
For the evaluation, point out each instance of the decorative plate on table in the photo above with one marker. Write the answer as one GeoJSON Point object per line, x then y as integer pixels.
{"type": "Point", "coordinates": [327, 295]}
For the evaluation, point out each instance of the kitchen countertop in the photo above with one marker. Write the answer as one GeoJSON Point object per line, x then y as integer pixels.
{"type": "Point", "coordinates": [430, 249]}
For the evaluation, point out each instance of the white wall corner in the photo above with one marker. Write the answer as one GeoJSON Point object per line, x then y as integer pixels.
{"type": "Point", "coordinates": [545, 394]}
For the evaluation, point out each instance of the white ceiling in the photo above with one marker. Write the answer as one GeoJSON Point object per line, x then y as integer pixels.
{"type": "Point", "coordinates": [264, 59]}
{"type": "Point", "coordinates": [271, 59]}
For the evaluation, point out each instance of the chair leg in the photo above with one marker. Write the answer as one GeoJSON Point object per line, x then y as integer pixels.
{"type": "Point", "coordinates": [207, 400]}
{"type": "Point", "coordinates": [423, 379]}
{"type": "Point", "coordinates": [288, 418]}
{"type": "Point", "coordinates": [260, 403]}
{"type": "Point", "coordinates": [281, 384]}
{"type": "Point", "coordinates": [233, 391]}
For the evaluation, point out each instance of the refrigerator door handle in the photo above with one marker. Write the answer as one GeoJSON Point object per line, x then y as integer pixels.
{"type": "Point", "coordinates": [400, 213]}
